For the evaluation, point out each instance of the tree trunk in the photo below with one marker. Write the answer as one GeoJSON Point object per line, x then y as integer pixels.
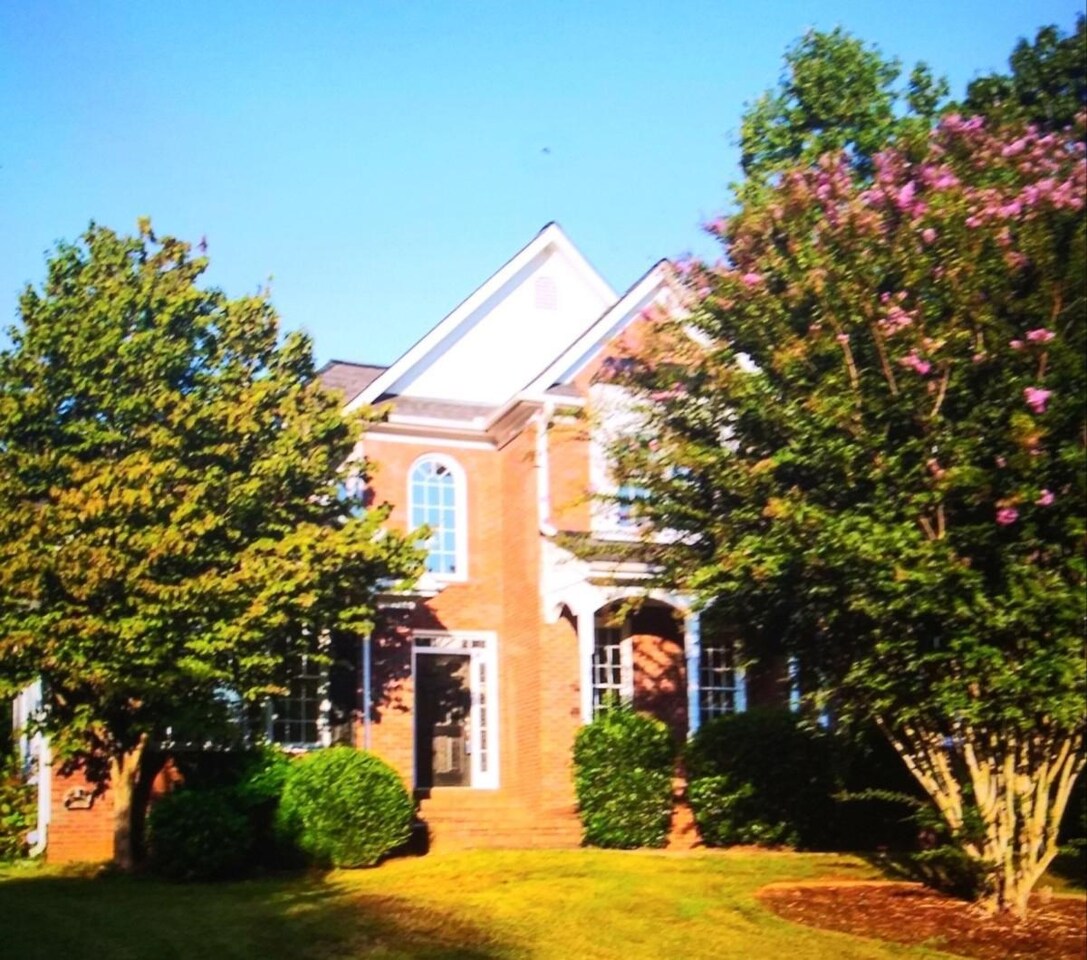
{"type": "Point", "coordinates": [124, 772]}
{"type": "Point", "coordinates": [1002, 796]}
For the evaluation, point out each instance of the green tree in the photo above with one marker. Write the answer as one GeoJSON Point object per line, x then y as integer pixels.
{"type": "Point", "coordinates": [835, 94]}
{"type": "Point", "coordinates": [1047, 85]}
{"type": "Point", "coordinates": [866, 439]}
{"type": "Point", "coordinates": [180, 512]}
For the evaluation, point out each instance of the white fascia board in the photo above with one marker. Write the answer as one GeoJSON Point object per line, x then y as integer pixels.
{"type": "Point", "coordinates": [610, 324]}
{"type": "Point", "coordinates": [549, 236]}
{"type": "Point", "coordinates": [476, 423]}
{"type": "Point", "coordinates": [433, 439]}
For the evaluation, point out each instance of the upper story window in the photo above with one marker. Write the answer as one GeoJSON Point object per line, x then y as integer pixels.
{"type": "Point", "coordinates": [436, 499]}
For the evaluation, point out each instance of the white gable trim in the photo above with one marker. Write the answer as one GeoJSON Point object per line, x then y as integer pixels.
{"type": "Point", "coordinates": [611, 323]}
{"type": "Point", "coordinates": [445, 332]}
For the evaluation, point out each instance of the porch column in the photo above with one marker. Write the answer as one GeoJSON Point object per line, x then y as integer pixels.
{"type": "Point", "coordinates": [586, 643]}
{"type": "Point", "coordinates": [692, 647]}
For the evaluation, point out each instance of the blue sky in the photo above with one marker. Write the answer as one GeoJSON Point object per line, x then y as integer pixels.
{"type": "Point", "coordinates": [379, 160]}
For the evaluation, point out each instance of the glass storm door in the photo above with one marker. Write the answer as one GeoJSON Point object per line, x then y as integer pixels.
{"type": "Point", "coordinates": [442, 720]}
{"type": "Point", "coordinates": [453, 713]}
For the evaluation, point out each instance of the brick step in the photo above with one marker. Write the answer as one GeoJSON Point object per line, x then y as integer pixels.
{"type": "Point", "coordinates": [454, 837]}
{"type": "Point", "coordinates": [683, 834]}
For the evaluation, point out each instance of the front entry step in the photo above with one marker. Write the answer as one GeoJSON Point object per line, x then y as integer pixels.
{"type": "Point", "coordinates": [460, 819]}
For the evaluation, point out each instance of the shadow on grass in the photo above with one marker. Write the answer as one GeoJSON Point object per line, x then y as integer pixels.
{"type": "Point", "coordinates": [303, 918]}
{"type": "Point", "coordinates": [1067, 873]}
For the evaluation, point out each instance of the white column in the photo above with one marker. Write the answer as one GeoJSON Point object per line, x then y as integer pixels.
{"type": "Point", "coordinates": [692, 645]}
{"type": "Point", "coordinates": [586, 642]}
{"type": "Point", "coordinates": [367, 689]}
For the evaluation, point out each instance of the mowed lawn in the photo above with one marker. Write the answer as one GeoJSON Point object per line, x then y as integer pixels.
{"type": "Point", "coordinates": [555, 905]}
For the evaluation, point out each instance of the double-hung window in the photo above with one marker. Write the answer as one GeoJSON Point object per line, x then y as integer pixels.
{"type": "Point", "coordinates": [718, 679]}
{"type": "Point", "coordinates": [298, 720]}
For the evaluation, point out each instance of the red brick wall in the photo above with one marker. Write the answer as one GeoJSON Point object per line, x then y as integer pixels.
{"type": "Point", "coordinates": [568, 455]}
{"type": "Point", "coordinates": [538, 705]}
{"type": "Point", "coordinates": [75, 834]}
{"type": "Point", "coordinates": [660, 672]}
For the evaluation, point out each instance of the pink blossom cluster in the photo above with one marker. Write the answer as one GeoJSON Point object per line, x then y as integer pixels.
{"type": "Point", "coordinates": [1037, 398]}
{"type": "Point", "coordinates": [718, 227]}
{"type": "Point", "coordinates": [916, 363]}
{"type": "Point", "coordinates": [1051, 175]}
{"type": "Point", "coordinates": [897, 318]}
{"type": "Point", "coordinates": [954, 123]}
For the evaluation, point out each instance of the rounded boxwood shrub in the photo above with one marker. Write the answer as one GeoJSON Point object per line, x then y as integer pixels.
{"type": "Point", "coordinates": [344, 807]}
{"type": "Point", "coordinates": [623, 764]}
{"type": "Point", "coordinates": [763, 778]}
{"type": "Point", "coordinates": [199, 835]}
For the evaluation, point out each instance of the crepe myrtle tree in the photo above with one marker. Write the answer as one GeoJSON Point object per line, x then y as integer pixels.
{"type": "Point", "coordinates": [866, 437]}
{"type": "Point", "coordinates": [180, 513]}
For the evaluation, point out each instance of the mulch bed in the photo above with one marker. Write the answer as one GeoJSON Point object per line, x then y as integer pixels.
{"type": "Point", "coordinates": [910, 913]}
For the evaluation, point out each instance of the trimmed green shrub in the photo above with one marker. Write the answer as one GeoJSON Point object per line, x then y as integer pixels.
{"type": "Point", "coordinates": [761, 777]}
{"type": "Point", "coordinates": [344, 808]}
{"type": "Point", "coordinates": [18, 808]}
{"type": "Point", "coordinates": [199, 835]}
{"type": "Point", "coordinates": [623, 765]}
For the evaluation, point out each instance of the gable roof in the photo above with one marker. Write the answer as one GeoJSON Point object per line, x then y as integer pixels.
{"type": "Point", "coordinates": [644, 293]}
{"type": "Point", "coordinates": [489, 345]}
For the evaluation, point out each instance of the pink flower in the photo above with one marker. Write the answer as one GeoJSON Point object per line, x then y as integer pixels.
{"type": "Point", "coordinates": [1006, 516]}
{"type": "Point", "coordinates": [751, 279]}
{"type": "Point", "coordinates": [916, 363]}
{"type": "Point", "coordinates": [1041, 335]}
{"type": "Point", "coordinates": [842, 338]}
{"type": "Point", "coordinates": [1015, 148]}
{"type": "Point", "coordinates": [1016, 344]}
{"type": "Point", "coordinates": [1045, 499]}
{"type": "Point", "coordinates": [1037, 398]}
{"type": "Point", "coordinates": [928, 235]}
{"type": "Point", "coordinates": [717, 226]}
{"type": "Point", "coordinates": [1001, 462]}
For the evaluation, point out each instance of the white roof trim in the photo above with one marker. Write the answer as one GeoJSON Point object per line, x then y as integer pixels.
{"type": "Point", "coordinates": [614, 319]}
{"type": "Point", "coordinates": [549, 236]}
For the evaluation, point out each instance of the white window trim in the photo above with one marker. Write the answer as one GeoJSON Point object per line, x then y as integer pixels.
{"type": "Point", "coordinates": [324, 731]}
{"type": "Point", "coordinates": [466, 642]}
{"type": "Point", "coordinates": [626, 661]}
{"type": "Point", "coordinates": [460, 513]}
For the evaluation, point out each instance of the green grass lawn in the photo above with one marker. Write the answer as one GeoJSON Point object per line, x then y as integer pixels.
{"type": "Point", "coordinates": [556, 905]}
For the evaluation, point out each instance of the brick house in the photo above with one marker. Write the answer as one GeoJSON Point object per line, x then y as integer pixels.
{"type": "Point", "coordinates": [476, 681]}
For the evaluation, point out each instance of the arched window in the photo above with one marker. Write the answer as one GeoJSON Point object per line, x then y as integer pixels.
{"type": "Point", "coordinates": [436, 498]}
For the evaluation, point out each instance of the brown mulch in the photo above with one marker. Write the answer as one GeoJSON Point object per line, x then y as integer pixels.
{"type": "Point", "coordinates": [909, 913]}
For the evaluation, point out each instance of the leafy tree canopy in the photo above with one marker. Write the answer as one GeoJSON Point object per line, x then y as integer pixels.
{"type": "Point", "coordinates": [867, 442]}
{"type": "Point", "coordinates": [835, 94]}
{"type": "Point", "coordinates": [1047, 85]}
{"type": "Point", "coordinates": [179, 512]}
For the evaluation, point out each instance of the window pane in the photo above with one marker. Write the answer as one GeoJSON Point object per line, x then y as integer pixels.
{"type": "Point", "coordinates": [717, 676]}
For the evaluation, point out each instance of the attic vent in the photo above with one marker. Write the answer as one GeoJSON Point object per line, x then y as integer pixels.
{"type": "Point", "coordinates": [547, 294]}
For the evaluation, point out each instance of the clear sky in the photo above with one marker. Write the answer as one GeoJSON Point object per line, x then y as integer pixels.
{"type": "Point", "coordinates": [380, 159]}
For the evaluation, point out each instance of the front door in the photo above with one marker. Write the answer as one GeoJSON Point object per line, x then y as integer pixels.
{"type": "Point", "coordinates": [443, 704]}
